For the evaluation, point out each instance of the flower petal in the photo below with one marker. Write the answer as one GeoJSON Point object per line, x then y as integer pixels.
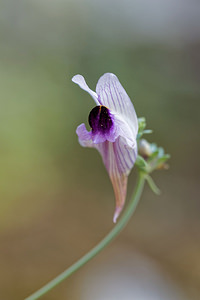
{"type": "Point", "coordinates": [79, 79]}
{"type": "Point", "coordinates": [84, 136]}
{"type": "Point", "coordinates": [112, 95]}
{"type": "Point", "coordinates": [119, 160]}
{"type": "Point", "coordinates": [123, 129]}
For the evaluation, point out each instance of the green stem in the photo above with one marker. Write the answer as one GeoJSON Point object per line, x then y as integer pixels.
{"type": "Point", "coordinates": [108, 238]}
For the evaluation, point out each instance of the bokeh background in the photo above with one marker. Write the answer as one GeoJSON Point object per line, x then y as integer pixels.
{"type": "Point", "coordinates": [56, 201]}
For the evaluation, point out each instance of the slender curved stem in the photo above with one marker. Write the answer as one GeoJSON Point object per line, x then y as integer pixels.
{"type": "Point", "coordinates": [100, 246]}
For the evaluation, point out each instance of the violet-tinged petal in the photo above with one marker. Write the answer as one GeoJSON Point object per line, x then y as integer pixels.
{"type": "Point", "coordinates": [112, 95]}
{"type": "Point", "coordinates": [79, 79]}
{"type": "Point", "coordinates": [118, 160]}
{"type": "Point", "coordinates": [84, 136]}
{"type": "Point", "coordinates": [123, 156]}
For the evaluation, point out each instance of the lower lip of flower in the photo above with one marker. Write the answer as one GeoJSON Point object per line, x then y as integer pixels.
{"type": "Point", "coordinates": [100, 119]}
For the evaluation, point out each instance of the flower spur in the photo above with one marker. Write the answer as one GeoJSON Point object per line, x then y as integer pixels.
{"type": "Point", "coordinates": [114, 128]}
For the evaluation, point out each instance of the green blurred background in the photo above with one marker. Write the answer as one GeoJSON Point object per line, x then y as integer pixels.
{"type": "Point", "coordinates": [56, 201]}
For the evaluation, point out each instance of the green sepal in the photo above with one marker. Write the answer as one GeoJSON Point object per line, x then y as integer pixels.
{"type": "Point", "coordinates": [152, 185]}
{"type": "Point", "coordinates": [141, 163]}
{"type": "Point", "coordinates": [147, 131]}
{"type": "Point", "coordinates": [141, 128]}
{"type": "Point", "coordinates": [163, 159]}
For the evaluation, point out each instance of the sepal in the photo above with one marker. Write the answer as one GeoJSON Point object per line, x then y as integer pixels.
{"type": "Point", "coordinates": [152, 184]}
{"type": "Point", "coordinates": [150, 156]}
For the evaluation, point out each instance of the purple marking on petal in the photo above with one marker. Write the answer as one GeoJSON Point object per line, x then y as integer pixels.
{"type": "Point", "coordinates": [120, 163]}
{"type": "Point", "coordinates": [103, 125]}
{"type": "Point", "coordinates": [131, 156]}
{"type": "Point", "coordinates": [109, 98]}
{"type": "Point", "coordinates": [105, 99]}
{"type": "Point", "coordinates": [114, 95]}
{"type": "Point", "coordinates": [121, 155]}
{"type": "Point", "coordinates": [121, 105]}
{"type": "Point", "coordinates": [132, 153]}
{"type": "Point", "coordinates": [112, 98]}
{"type": "Point", "coordinates": [100, 120]}
{"type": "Point", "coordinates": [128, 156]}
{"type": "Point", "coordinates": [118, 95]}
{"type": "Point", "coordinates": [128, 166]}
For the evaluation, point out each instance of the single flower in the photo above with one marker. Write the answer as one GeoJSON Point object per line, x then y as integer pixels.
{"type": "Point", "coordinates": [114, 128]}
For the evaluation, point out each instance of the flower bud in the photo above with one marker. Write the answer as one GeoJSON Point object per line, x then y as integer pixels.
{"type": "Point", "coordinates": [144, 149]}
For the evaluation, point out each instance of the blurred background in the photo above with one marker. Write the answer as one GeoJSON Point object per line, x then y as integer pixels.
{"type": "Point", "coordinates": [56, 200]}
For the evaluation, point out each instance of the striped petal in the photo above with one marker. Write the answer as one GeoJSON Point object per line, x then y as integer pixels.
{"type": "Point", "coordinates": [79, 79]}
{"type": "Point", "coordinates": [118, 160]}
{"type": "Point", "coordinates": [112, 95]}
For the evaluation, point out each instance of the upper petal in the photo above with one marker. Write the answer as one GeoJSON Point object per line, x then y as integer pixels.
{"type": "Point", "coordinates": [112, 95]}
{"type": "Point", "coordinates": [79, 79]}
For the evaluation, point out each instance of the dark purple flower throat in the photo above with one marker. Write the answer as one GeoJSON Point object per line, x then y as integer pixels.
{"type": "Point", "coordinates": [100, 119]}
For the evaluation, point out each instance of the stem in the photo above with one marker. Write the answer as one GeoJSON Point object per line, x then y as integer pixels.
{"type": "Point", "coordinates": [108, 238]}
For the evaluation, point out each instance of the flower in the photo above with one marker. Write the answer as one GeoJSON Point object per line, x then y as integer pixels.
{"type": "Point", "coordinates": [114, 128]}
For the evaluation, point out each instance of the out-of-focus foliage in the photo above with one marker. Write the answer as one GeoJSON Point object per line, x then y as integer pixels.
{"type": "Point", "coordinates": [55, 197]}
